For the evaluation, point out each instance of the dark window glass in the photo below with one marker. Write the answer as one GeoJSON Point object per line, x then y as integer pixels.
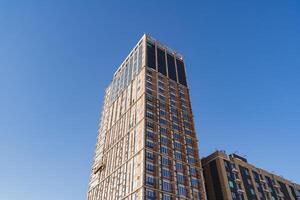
{"type": "Point", "coordinates": [216, 180]}
{"type": "Point", "coordinates": [247, 183]}
{"type": "Point", "coordinates": [293, 191]}
{"type": "Point", "coordinates": [181, 72]}
{"type": "Point", "coordinates": [151, 56]}
{"type": "Point", "coordinates": [171, 67]}
{"type": "Point", "coordinates": [161, 61]}
{"type": "Point", "coordinates": [284, 191]}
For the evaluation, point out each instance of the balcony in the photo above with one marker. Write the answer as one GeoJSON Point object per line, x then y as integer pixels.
{"type": "Point", "coordinates": [262, 180]}
{"type": "Point", "coordinates": [238, 180]}
{"type": "Point", "coordinates": [276, 186]}
{"type": "Point", "coordinates": [240, 191]}
{"type": "Point", "coordinates": [235, 170]}
{"type": "Point", "coordinates": [266, 190]}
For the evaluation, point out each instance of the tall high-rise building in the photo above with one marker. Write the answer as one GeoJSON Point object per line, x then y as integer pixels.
{"type": "Point", "coordinates": [147, 146]}
{"type": "Point", "coordinates": [231, 177]}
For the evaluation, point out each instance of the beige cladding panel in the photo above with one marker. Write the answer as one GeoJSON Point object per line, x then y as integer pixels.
{"type": "Point", "coordinates": [128, 98]}
{"type": "Point", "coordinates": [140, 109]}
{"type": "Point", "coordinates": [141, 83]}
{"type": "Point", "coordinates": [134, 90]}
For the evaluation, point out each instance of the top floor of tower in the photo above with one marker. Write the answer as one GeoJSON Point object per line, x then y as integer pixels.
{"type": "Point", "coordinates": [153, 54]}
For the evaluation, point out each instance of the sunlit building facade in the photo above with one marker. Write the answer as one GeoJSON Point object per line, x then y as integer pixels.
{"type": "Point", "coordinates": [147, 146]}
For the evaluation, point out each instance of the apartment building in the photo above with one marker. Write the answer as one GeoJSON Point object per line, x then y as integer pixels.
{"type": "Point", "coordinates": [147, 146]}
{"type": "Point", "coordinates": [231, 177]}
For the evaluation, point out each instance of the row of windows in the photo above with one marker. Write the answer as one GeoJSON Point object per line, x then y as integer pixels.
{"type": "Point", "coordinates": [177, 154]}
{"type": "Point", "coordinates": [150, 195]}
{"type": "Point", "coordinates": [165, 161]}
{"type": "Point", "coordinates": [131, 67]}
{"type": "Point", "coordinates": [167, 187]}
{"type": "Point", "coordinates": [164, 62]}
{"type": "Point", "coordinates": [258, 182]}
{"type": "Point", "coordinates": [164, 131]}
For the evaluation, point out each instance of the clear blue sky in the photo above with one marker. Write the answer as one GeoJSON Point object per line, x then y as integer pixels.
{"type": "Point", "coordinates": [57, 57]}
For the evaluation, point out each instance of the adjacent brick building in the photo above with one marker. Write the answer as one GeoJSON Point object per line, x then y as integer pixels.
{"type": "Point", "coordinates": [231, 177]}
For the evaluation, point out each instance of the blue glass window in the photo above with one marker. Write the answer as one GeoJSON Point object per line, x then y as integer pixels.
{"type": "Point", "coordinates": [166, 186]}
{"type": "Point", "coordinates": [165, 161]}
{"type": "Point", "coordinates": [150, 180]}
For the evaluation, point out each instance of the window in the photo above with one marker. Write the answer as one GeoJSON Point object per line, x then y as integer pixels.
{"type": "Point", "coordinates": [175, 119]}
{"type": "Point", "coordinates": [176, 136]}
{"type": "Point", "coordinates": [233, 195]}
{"type": "Point", "coordinates": [162, 112]}
{"type": "Point", "coordinates": [193, 171]}
{"type": "Point", "coordinates": [175, 127]}
{"type": "Point", "coordinates": [165, 172]}
{"type": "Point", "coordinates": [246, 172]}
{"type": "Point", "coordinates": [150, 167]}
{"type": "Point", "coordinates": [188, 140]}
{"type": "Point", "coordinates": [180, 178]}
{"type": "Point", "coordinates": [149, 98]}
{"type": "Point", "coordinates": [150, 195]}
{"type": "Point", "coordinates": [166, 186]}
{"type": "Point", "coordinates": [149, 91]}
{"type": "Point", "coordinates": [166, 197]}
{"type": "Point", "coordinates": [161, 98]}
{"type": "Point", "coordinates": [150, 125]}
{"type": "Point", "coordinates": [173, 103]}
{"type": "Point", "coordinates": [149, 85]}
{"type": "Point", "coordinates": [149, 155]}
{"type": "Point", "coordinates": [164, 140]}
{"type": "Point", "coordinates": [149, 78]}
{"type": "Point", "coordinates": [162, 121]}
{"type": "Point", "coordinates": [151, 56]}
{"type": "Point", "coordinates": [181, 190]}
{"type": "Point", "coordinates": [194, 182]}
{"type": "Point", "coordinates": [149, 107]}
{"type": "Point", "coordinates": [150, 134]}
{"type": "Point", "coordinates": [162, 105]}
{"type": "Point", "coordinates": [163, 130]}
{"type": "Point", "coordinates": [231, 184]}
{"type": "Point", "coordinates": [149, 144]}
{"type": "Point", "coordinates": [174, 110]}
{"type": "Point", "coordinates": [161, 84]}
{"type": "Point", "coordinates": [172, 95]}
{"type": "Point", "coordinates": [189, 150]}
{"type": "Point", "coordinates": [172, 84]}
{"type": "Point", "coordinates": [165, 161]}
{"type": "Point", "coordinates": [149, 115]}
{"type": "Point", "coordinates": [181, 72]}
{"type": "Point", "coordinates": [177, 145]}
{"type": "Point", "coordinates": [164, 150]}
{"type": "Point", "coordinates": [188, 132]}
{"type": "Point", "coordinates": [187, 125]}
{"type": "Point", "coordinates": [191, 160]}
{"type": "Point", "coordinates": [160, 77]}
{"type": "Point", "coordinates": [249, 181]}
{"type": "Point", "coordinates": [178, 155]}
{"type": "Point", "coordinates": [161, 61]}
{"type": "Point", "coordinates": [150, 180]}
{"type": "Point", "coordinates": [179, 166]}
{"type": "Point", "coordinates": [171, 67]}
{"type": "Point", "coordinates": [161, 90]}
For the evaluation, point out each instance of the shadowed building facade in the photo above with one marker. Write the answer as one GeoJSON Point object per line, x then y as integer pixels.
{"type": "Point", "coordinates": [146, 145]}
{"type": "Point", "coordinates": [231, 177]}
